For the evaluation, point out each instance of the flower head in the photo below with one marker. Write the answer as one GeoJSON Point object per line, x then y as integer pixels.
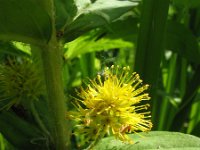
{"type": "Point", "coordinates": [111, 105]}
{"type": "Point", "coordinates": [19, 83]}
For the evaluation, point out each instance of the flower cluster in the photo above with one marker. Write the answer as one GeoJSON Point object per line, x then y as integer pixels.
{"type": "Point", "coordinates": [111, 105]}
{"type": "Point", "coordinates": [19, 83]}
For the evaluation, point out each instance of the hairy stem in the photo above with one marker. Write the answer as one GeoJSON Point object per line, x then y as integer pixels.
{"type": "Point", "coordinates": [52, 64]}
{"type": "Point", "coordinates": [51, 56]}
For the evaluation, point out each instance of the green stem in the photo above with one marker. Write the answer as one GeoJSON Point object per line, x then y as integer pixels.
{"type": "Point", "coordinates": [52, 64]}
{"type": "Point", "coordinates": [87, 65]}
{"type": "Point", "coordinates": [99, 136]}
{"type": "Point", "coordinates": [49, 62]}
{"type": "Point", "coordinates": [163, 120]}
{"type": "Point", "coordinates": [2, 143]}
{"type": "Point", "coordinates": [51, 55]}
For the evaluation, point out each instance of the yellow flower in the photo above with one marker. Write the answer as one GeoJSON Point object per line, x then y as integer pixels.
{"type": "Point", "coordinates": [111, 105]}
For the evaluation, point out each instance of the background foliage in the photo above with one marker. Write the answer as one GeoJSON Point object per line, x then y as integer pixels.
{"type": "Point", "coordinates": [157, 38]}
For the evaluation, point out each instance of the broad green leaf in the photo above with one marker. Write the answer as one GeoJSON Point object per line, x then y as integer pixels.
{"type": "Point", "coordinates": [90, 43]}
{"type": "Point", "coordinates": [181, 40]}
{"type": "Point", "coordinates": [92, 15]}
{"type": "Point", "coordinates": [25, 20]}
{"type": "Point", "coordinates": [65, 12]}
{"type": "Point", "coordinates": [153, 140]}
{"type": "Point", "coordinates": [125, 29]}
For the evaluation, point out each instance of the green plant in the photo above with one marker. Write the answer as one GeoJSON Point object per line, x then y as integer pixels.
{"type": "Point", "coordinates": [49, 47]}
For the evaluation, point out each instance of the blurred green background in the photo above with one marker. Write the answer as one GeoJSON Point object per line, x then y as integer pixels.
{"type": "Point", "coordinates": [159, 39]}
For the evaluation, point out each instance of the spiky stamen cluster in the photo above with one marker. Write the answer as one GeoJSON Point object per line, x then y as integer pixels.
{"type": "Point", "coordinates": [110, 105]}
{"type": "Point", "coordinates": [19, 83]}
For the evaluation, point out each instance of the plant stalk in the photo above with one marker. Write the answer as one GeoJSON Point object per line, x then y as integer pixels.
{"type": "Point", "coordinates": [52, 64]}
{"type": "Point", "coordinates": [51, 55]}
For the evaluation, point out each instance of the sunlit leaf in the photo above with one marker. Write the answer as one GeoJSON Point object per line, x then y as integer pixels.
{"type": "Point", "coordinates": [153, 140]}
{"type": "Point", "coordinates": [8, 49]}
{"type": "Point", "coordinates": [91, 15]}
{"type": "Point", "coordinates": [90, 43]}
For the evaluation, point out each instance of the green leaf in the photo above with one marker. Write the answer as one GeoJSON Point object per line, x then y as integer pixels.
{"type": "Point", "coordinates": [8, 49]}
{"type": "Point", "coordinates": [90, 43]}
{"type": "Point", "coordinates": [20, 133]}
{"type": "Point", "coordinates": [150, 46]}
{"type": "Point", "coordinates": [65, 12]}
{"type": "Point", "coordinates": [153, 140]}
{"type": "Point", "coordinates": [107, 38]}
{"type": "Point", "coordinates": [181, 40]}
{"type": "Point", "coordinates": [125, 28]}
{"type": "Point", "coordinates": [25, 20]}
{"type": "Point", "coordinates": [92, 15]}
